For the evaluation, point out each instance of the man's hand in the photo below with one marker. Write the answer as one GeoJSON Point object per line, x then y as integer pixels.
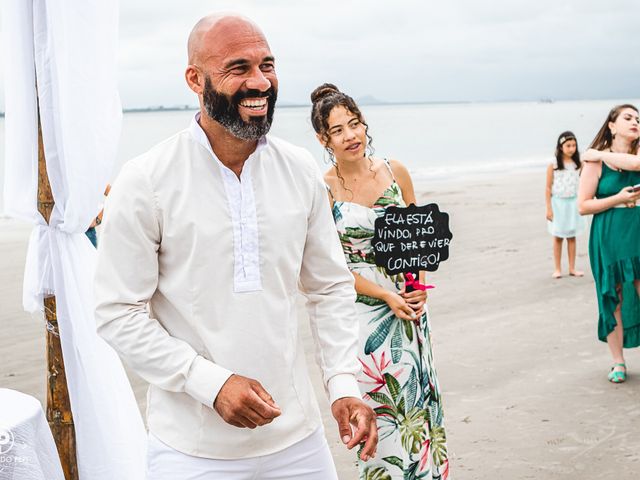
{"type": "Point", "coordinates": [350, 411]}
{"type": "Point", "coordinates": [244, 403]}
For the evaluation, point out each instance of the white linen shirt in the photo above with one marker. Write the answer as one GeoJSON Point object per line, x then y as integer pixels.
{"type": "Point", "coordinates": [219, 261]}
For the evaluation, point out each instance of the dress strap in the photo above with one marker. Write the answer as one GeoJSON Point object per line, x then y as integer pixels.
{"type": "Point", "coordinates": [388, 164]}
{"type": "Point", "coordinates": [330, 192]}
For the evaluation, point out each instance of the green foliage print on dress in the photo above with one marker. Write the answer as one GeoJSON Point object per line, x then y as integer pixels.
{"type": "Point", "coordinates": [381, 332]}
{"type": "Point", "coordinates": [357, 232]}
{"type": "Point", "coordinates": [376, 473]}
{"type": "Point", "coordinates": [390, 196]}
{"type": "Point", "coordinates": [371, 301]}
{"type": "Point", "coordinates": [356, 245]}
{"type": "Point", "coordinates": [413, 429]}
{"type": "Point", "coordinates": [396, 343]}
{"type": "Point", "coordinates": [390, 323]}
{"type": "Point", "coordinates": [438, 445]}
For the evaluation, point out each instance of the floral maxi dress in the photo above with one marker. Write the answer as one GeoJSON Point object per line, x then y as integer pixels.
{"type": "Point", "coordinates": [398, 379]}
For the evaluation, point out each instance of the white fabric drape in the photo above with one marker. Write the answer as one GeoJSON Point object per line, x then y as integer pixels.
{"type": "Point", "coordinates": [70, 47]}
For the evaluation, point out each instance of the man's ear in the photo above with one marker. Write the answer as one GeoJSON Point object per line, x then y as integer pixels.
{"type": "Point", "coordinates": [194, 79]}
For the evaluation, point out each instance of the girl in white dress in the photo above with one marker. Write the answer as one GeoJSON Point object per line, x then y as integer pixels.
{"type": "Point", "coordinates": [563, 219]}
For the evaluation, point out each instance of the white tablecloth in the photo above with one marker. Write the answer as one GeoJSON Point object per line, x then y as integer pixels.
{"type": "Point", "coordinates": [27, 449]}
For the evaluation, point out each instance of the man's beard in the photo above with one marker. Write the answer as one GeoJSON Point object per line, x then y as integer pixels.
{"type": "Point", "coordinates": [226, 112]}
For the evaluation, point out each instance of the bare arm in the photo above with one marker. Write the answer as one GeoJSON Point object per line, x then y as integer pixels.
{"type": "Point", "coordinates": [548, 192]}
{"type": "Point", "coordinates": [399, 306]}
{"type": "Point", "coordinates": [587, 204]}
{"type": "Point", "coordinates": [622, 161]}
{"type": "Point", "coordinates": [404, 180]}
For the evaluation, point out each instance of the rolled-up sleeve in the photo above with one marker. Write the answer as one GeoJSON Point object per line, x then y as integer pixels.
{"type": "Point", "coordinates": [126, 279]}
{"type": "Point", "coordinates": [329, 288]}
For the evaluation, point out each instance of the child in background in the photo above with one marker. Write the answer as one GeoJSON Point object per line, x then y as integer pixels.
{"type": "Point", "coordinates": [564, 221]}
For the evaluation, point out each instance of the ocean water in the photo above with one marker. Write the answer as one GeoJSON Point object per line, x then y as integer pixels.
{"type": "Point", "coordinates": [435, 141]}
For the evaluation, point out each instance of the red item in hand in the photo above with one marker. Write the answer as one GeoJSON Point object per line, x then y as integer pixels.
{"type": "Point", "coordinates": [411, 281]}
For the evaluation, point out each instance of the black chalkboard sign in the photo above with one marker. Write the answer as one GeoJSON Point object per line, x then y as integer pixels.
{"type": "Point", "coordinates": [410, 239]}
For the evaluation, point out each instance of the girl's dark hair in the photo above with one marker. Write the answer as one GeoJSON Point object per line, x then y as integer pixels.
{"type": "Point", "coordinates": [604, 138]}
{"type": "Point", "coordinates": [323, 100]}
{"type": "Point", "coordinates": [565, 137]}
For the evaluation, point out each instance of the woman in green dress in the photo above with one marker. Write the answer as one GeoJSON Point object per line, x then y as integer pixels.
{"type": "Point", "coordinates": [610, 172]}
{"type": "Point", "coordinates": [398, 378]}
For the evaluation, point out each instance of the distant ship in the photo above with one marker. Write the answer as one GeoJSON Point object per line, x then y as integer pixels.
{"type": "Point", "coordinates": [546, 100]}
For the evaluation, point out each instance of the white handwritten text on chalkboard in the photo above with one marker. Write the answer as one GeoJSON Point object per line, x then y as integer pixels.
{"type": "Point", "coordinates": [411, 239]}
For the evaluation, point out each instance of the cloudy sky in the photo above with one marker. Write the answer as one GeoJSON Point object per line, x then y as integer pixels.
{"type": "Point", "coordinates": [401, 50]}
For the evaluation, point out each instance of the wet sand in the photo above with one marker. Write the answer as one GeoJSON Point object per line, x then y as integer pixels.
{"type": "Point", "coordinates": [523, 374]}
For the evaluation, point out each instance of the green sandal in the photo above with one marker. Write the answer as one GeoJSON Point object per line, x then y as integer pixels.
{"type": "Point", "coordinates": [618, 376]}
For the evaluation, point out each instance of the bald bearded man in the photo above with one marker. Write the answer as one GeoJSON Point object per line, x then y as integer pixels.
{"type": "Point", "coordinates": [206, 239]}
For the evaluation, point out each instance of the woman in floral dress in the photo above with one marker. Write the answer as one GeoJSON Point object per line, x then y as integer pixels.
{"type": "Point", "coordinates": [398, 377]}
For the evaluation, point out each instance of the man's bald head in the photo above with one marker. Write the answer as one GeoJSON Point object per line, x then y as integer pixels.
{"type": "Point", "coordinates": [209, 34]}
{"type": "Point", "coordinates": [232, 70]}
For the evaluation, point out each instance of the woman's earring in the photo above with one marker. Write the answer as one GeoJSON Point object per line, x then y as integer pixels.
{"type": "Point", "coordinates": [613, 134]}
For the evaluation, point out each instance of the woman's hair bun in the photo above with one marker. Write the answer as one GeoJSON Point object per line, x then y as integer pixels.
{"type": "Point", "coordinates": [322, 91]}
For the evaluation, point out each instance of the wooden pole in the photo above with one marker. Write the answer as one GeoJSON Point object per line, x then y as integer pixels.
{"type": "Point", "coordinates": [58, 405]}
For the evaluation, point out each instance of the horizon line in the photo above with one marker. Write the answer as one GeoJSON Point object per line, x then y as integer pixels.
{"type": "Point", "coordinates": [368, 100]}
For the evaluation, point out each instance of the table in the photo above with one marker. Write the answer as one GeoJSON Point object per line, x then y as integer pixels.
{"type": "Point", "coordinates": [27, 449]}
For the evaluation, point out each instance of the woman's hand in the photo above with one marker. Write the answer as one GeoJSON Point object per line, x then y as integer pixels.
{"type": "Point", "coordinates": [628, 196]}
{"type": "Point", "coordinates": [400, 307]}
{"type": "Point", "coordinates": [416, 300]}
{"type": "Point", "coordinates": [549, 214]}
{"type": "Point", "coordinates": [591, 155]}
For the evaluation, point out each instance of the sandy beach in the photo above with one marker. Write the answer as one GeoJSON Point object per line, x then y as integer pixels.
{"type": "Point", "coordinates": [523, 374]}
